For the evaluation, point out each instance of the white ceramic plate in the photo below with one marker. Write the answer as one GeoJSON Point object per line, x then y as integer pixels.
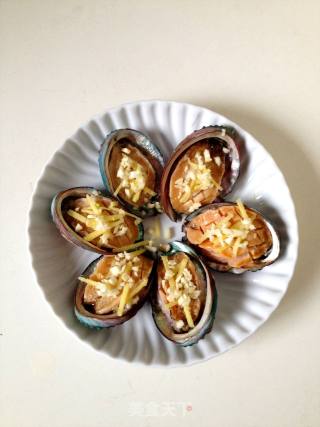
{"type": "Point", "coordinates": [245, 301]}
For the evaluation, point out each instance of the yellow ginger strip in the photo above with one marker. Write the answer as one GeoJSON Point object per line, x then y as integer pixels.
{"type": "Point", "coordinates": [118, 189]}
{"type": "Point", "coordinates": [136, 196]}
{"type": "Point", "coordinates": [114, 224]}
{"type": "Point", "coordinates": [236, 246]}
{"type": "Point", "coordinates": [165, 263]}
{"type": "Point", "coordinates": [137, 253]}
{"type": "Point", "coordinates": [77, 216]}
{"type": "Point", "coordinates": [127, 268]}
{"type": "Point", "coordinates": [182, 266]}
{"type": "Point", "coordinates": [137, 289]}
{"type": "Point", "coordinates": [171, 304]}
{"type": "Point", "coordinates": [237, 226]}
{"type": "Point", "coordinates": [205, 236]}
{"type": "Point", "coordinates": [91, 236]}
{"type": "Point", "coordinates": [90, 281]}
{"type": "Point", "coordinates": [242, 209]}
{"type": "Point", "coordinates": [92, 204]}
{"type": "Point", "coordinates": [218, 247]}
{"type": "Point", "coordinates": [194, 165]}
{"type": "Point", "coordinates": [186, 195]}
{"type": "Point", "coordinates": [188, 316]}
{"type": "Point", "coordinates": [88, 211]}
{"type": "Point", "coordinates": [122, 211]}
{"type": "Point", "coordinates": [123, 299]}
{"type": "Point", "coordinates": [91, 222]}
{"type": "Point", "coordinates": [125, 292]}
{"type": "Point", "coordinates": [194, 185]}
{"type": "Point", "coordinates": [133, 246]}
{"type": "Point", "coordinates": [110, 218]}
{"type": "Point", "coordinates": [94, 282]}
{"type": "Point", "coordinates": [226, 219]}
{"type": "Point", "coordinates": [238, 233]}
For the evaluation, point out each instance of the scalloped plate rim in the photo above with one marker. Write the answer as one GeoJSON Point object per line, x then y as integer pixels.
{"type": "Point", "coordinates": [31, 256]}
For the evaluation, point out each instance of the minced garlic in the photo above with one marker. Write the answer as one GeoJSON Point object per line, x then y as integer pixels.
{"type": "Point", "coordinates": [217, 160]}
{"type": "Point", "coordinates": [78, 227]}
{"type": "Point", "coordinates": [179, 286]}
{"type": "Point", "coordinates": [197, 177]}
{"type": "Point", "coordinates": [133, 177]}
{"type": "Point", "coordinates": [224, 235]}
{"type": "Point", "coordinates": [179, 324]}
{"type": "Point", "coordinates": [120, 283]}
